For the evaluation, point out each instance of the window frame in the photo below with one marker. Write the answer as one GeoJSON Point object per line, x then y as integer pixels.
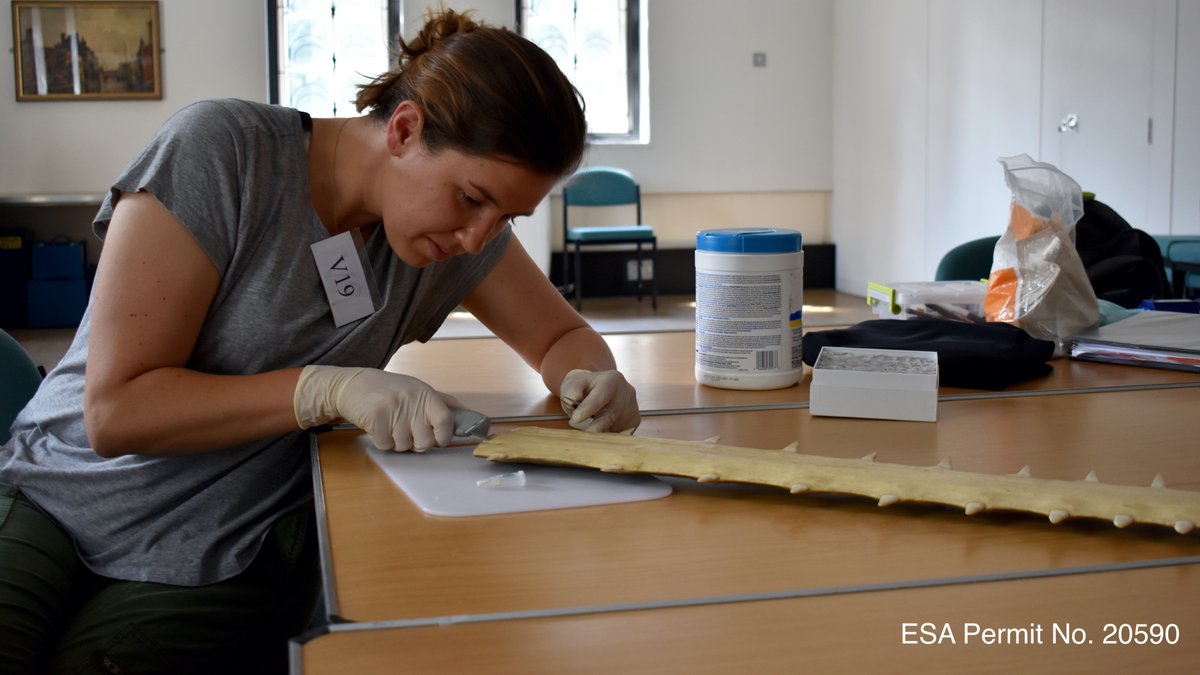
{"type": "Point", "coordinates": [394, 9]}
{"type": "Point", "coordinates": [633, 55]}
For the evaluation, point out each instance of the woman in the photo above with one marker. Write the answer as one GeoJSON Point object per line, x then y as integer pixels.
{"type": "Point", "coordinates": [156, 515]}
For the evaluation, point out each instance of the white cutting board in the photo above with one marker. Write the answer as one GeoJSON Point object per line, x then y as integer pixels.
{"type": "Point", "coordinates": [442, 482]}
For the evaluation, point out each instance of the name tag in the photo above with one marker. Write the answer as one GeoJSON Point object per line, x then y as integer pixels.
{"type": "Point", "coordinates": [348, 287]}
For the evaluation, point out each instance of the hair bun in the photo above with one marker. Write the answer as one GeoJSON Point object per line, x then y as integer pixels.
{"type": "Point", "coordinates": [484, 91]}
{"type": "Point", "coordinates": [439, 26]}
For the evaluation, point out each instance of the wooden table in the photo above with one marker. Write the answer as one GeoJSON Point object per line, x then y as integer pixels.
{"type": "Point", "coordinates": [390, 561]}
{"type": "Point", "coordinates": [751, 573]}
{"type": "Point", "coordinates": [488, 376]}
{"type": "Point", "coordinates": [1052, 624]}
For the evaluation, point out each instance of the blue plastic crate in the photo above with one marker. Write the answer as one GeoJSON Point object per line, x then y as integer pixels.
{"type": "Point", "coordinates": [15, 244]}
{"type": "Point", "coordinates": [56, 303]}
{"type": "Point", "coordinates": [59, 260]}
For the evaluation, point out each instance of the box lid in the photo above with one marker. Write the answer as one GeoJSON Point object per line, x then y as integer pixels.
{"type": "Point", "coordinates": [876, 368]}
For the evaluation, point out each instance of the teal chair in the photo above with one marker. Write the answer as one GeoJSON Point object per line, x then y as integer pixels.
{"type": "Point", "coordinates": [971, 261]}
{"type": "Point", "coordinates": [1181, 256]}
{"type": "Point", "coordinates": [20, 377]}
{"type": "Point", "coordinates": [605, 187]}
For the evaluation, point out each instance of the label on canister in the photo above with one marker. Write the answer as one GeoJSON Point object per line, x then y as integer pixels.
{"type": "Point", "coordinates": [749, 308]}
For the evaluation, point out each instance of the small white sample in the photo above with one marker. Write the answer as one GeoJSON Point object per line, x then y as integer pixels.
{"type": "Point", "coordinates": [503, 480]}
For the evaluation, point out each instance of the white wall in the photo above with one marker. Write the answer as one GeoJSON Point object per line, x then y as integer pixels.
{"type": "Point", "coordinates": [927, 95]}
{"type": "Point", "coordinates": [718, 124]}
{"type": "Point", "coordinates": [879, 132]}
{"type": "Point", "coordinates": [1185, 198]}
{"type": "Point", "coordinates": [984, 72]}
{"type": "Point", "coordinates": [211, 48]}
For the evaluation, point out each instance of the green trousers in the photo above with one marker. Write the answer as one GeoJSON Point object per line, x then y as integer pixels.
{"type": "Point", "coordinates": [57, 616]}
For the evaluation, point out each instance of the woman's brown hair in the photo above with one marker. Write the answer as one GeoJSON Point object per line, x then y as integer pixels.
{"type": "Point", "coordinates": [485, 91]}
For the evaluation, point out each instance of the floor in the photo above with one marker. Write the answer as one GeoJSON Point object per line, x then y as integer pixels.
{"type": "Point", "coordinates": [823, 307]}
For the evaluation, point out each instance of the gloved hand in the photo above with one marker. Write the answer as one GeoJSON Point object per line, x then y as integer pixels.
{"type": "Point", "coordinates": [600, 401]}
{"type": "Point", "coordinates": [397, 411]}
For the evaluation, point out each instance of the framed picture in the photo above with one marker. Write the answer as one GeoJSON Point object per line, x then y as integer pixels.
{"type": "Point", "coordinates": [68, 51]}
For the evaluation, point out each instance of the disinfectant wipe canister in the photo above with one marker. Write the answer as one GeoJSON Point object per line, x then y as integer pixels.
{"type": "Point", "coordinates": [749, 300]}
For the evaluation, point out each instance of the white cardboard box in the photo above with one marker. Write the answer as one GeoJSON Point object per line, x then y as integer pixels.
{"type": "Point", "coordinates": [890, 384]}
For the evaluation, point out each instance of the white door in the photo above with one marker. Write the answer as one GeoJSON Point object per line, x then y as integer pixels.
{"type": "Point", "coordinates": [1107, 102]}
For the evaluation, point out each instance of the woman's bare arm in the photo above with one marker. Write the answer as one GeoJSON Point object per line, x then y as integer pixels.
{"type": "Point", "coordinates": [523, 309]}
{"type": "Point", "coordinates": [151, 295]}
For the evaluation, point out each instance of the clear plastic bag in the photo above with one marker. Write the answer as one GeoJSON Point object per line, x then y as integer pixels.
{"type": "Point", "coordinates": [1038, 282]}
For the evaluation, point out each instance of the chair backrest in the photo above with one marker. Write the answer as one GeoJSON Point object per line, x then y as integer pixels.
{"type": "Point", "coordinates": [971, 261]}
{"type": "Point", "coordinates": [1180, 248]}
{"type": "Point", "coordinates": [19, 379]}
{"type": "Point", "coordinates": [601, 186]}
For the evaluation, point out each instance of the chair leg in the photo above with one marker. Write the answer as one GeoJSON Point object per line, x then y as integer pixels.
{"type": "Point", "coordinates": [1178, 282]}
{"type": "Point", "coordinates": [566, 278]}
{"type": "Point", "coordinates": [654, 275]}
{"type": "Point", "coordinates": [578, 278]}
{"type": "Point", "coordinates": [639, 271]}
{"type": "Point", "coordinates": [567, 287]}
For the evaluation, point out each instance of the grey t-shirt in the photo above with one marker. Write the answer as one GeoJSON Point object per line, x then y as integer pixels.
{"type": "Point", "coordinates": [235, 174]}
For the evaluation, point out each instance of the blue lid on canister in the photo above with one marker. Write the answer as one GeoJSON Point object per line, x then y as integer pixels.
{"type": "Point", "coordinates": [748, 240]}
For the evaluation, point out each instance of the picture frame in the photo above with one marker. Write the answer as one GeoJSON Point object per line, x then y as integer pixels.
{"type": "Point", "coordinates": [76, 51]}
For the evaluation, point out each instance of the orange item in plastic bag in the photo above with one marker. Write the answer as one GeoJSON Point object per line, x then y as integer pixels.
{"type": "Point", "coordinates": [1000, 303]}
{"type": "Point", "coordinates": [1038, 282]}
{"type": "Point", "coordinates": [1024, 224]}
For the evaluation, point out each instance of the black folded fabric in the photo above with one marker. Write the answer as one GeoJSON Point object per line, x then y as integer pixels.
{"type": "Point", "coordinates": [971, 355]}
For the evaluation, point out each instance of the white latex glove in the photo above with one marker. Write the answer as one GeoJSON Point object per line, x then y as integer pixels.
{"type": "Point", "coordinates": [600, 401]}
{"type": "Point", "coordinates": [398, 412]}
